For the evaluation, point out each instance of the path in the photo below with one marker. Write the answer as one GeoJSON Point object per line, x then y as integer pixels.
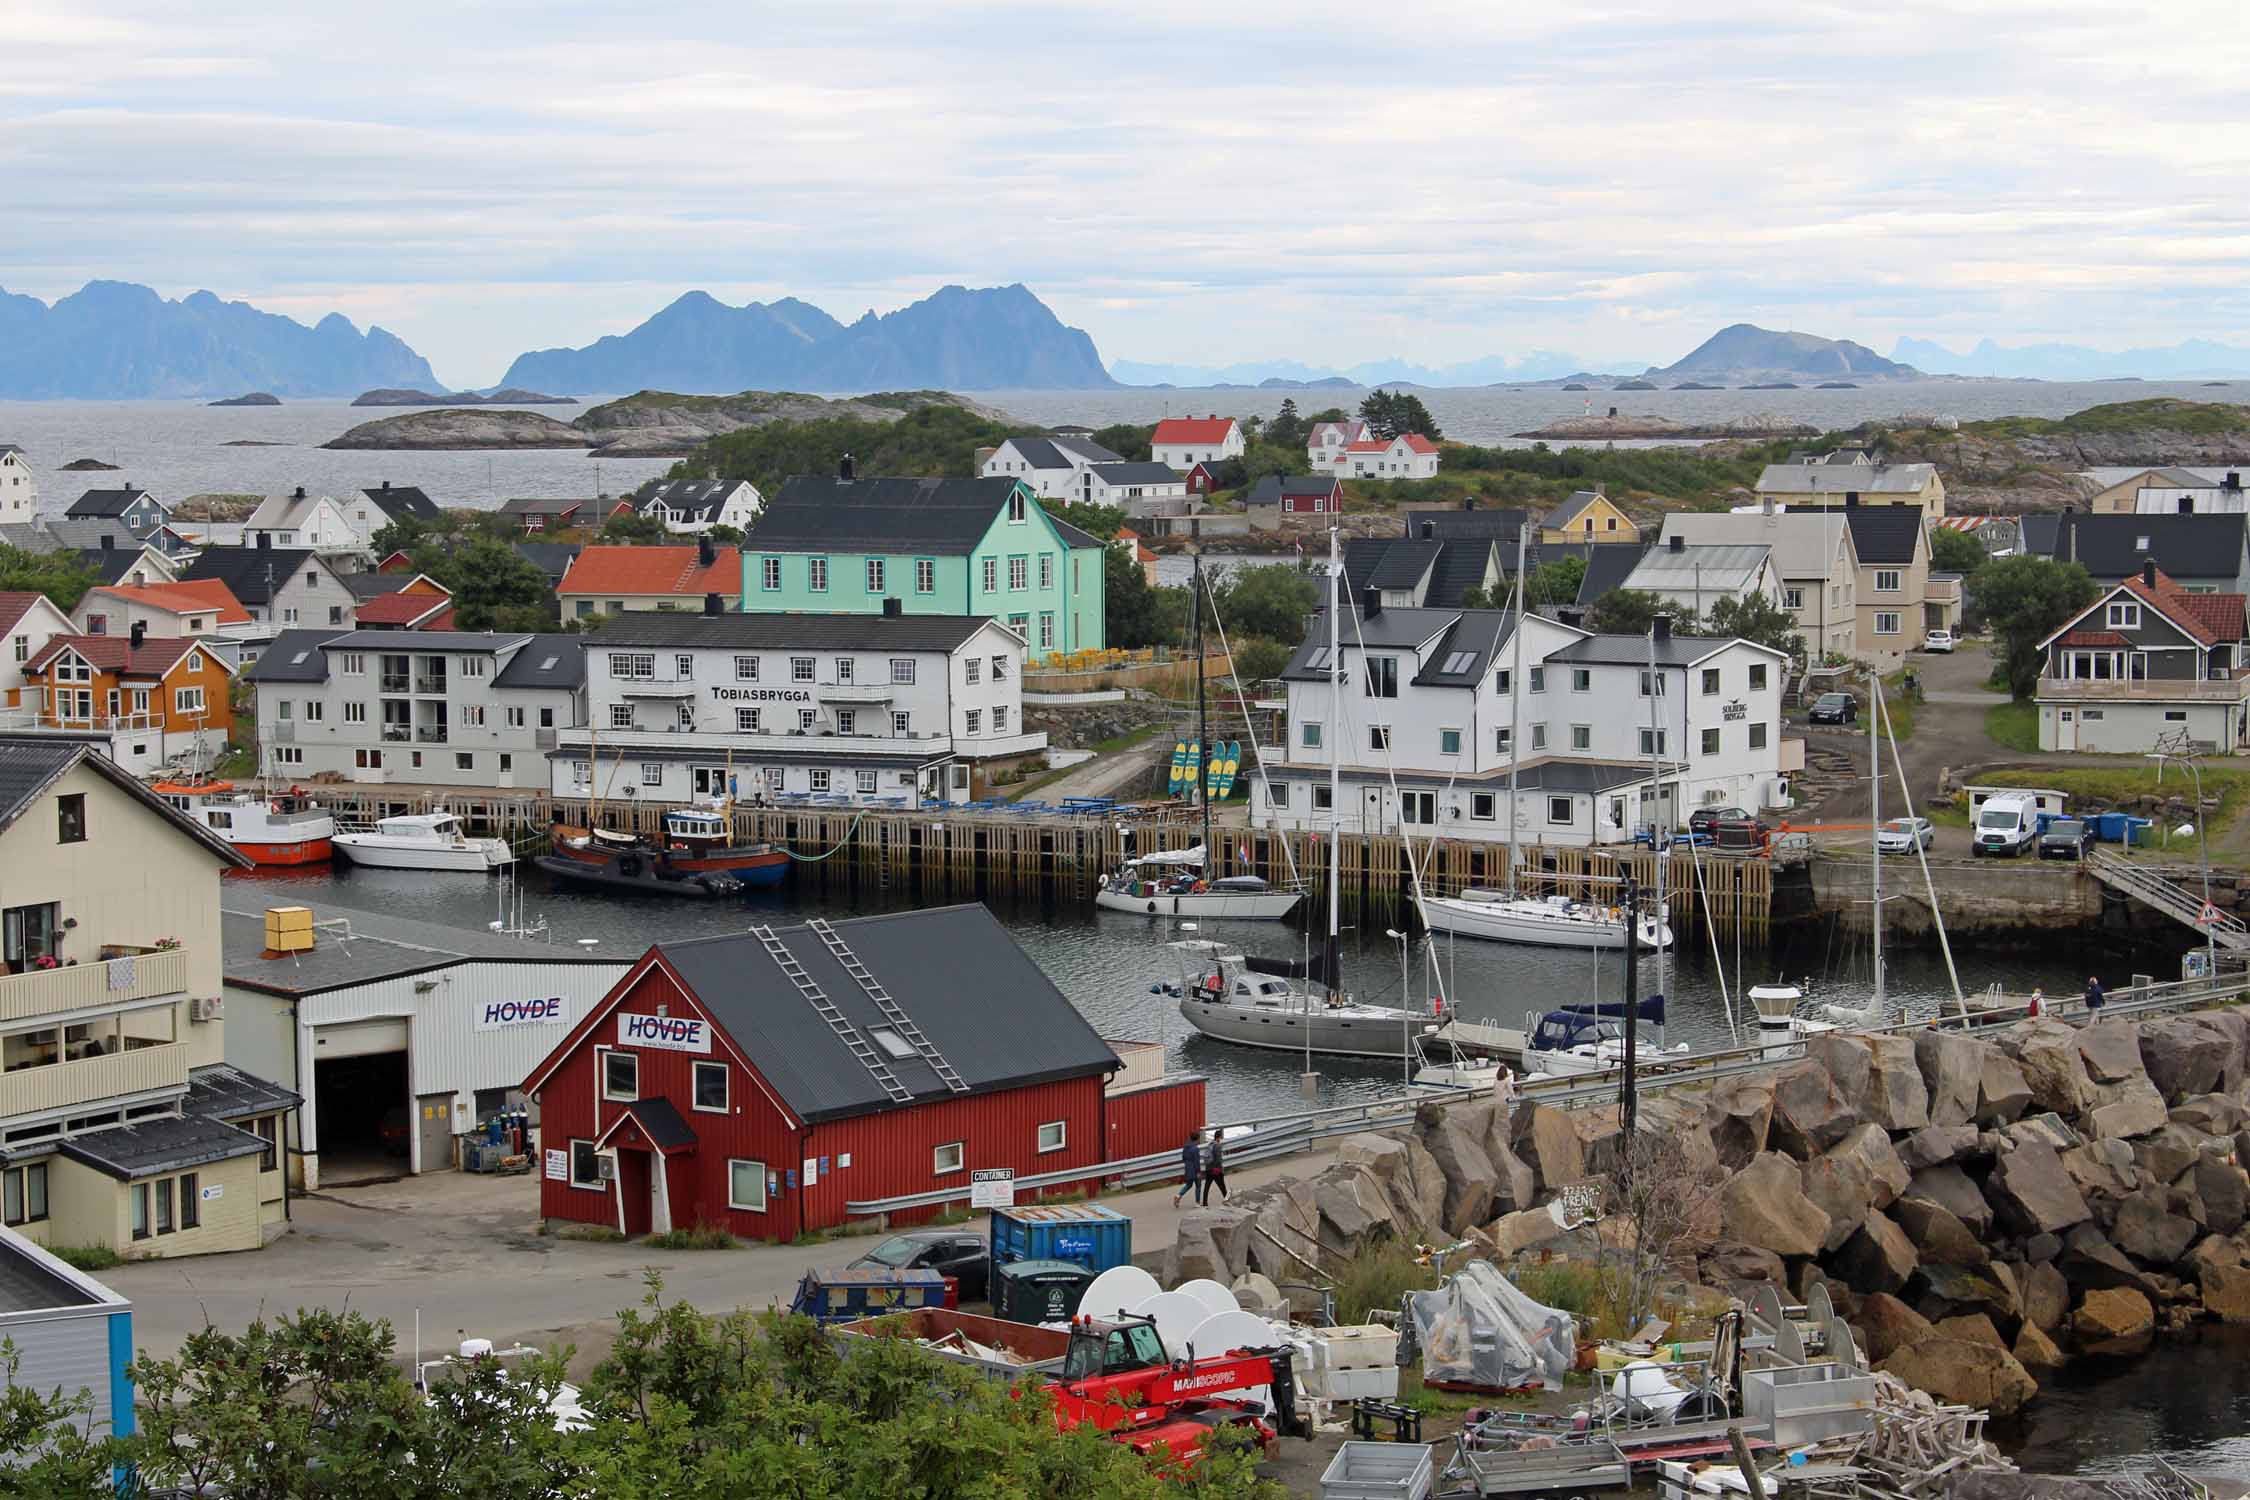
{"type": "Point", "coordinates": [1120, 772]}
{"type": "Point", "coordinates": [464, 1252]}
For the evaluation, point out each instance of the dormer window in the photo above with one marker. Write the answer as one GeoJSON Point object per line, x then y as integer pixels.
{"type": "Point", "coordinates": [2140, 543]}
{"type": "Point", "coordinates": [1015, 509]}
{"type": "Point", "coordinates": [2124, 614]}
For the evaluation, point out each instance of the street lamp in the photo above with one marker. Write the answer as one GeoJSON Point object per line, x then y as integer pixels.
{"type": "Point", "coordinates": [2179, 747]}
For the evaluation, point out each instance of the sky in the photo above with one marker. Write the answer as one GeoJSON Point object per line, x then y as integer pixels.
{"type": "Point", "coordinates": [1191, 181]}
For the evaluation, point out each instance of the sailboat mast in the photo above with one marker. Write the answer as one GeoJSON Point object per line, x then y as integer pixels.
{"type": "Point", "coordinates": [1202, 723]}
{"type": "Point", "coordinates": [1335, 743]}
{"type": "Point", "coordinates": [1515, 698]}
{"type": "Point", "coordinates": [1660, 838]}
{"type": "Point", "coordinates": [1875, 835]}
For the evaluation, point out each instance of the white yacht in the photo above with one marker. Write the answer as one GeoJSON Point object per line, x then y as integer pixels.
{"type": "Point", "coordinates": [1225, 995]}
{"type": "Point", "coordinates": [1550, 921]}
{"type": "Point", "coordinates": [1171, 884]}
{"type": "Point", "coordinates": [422, 841]}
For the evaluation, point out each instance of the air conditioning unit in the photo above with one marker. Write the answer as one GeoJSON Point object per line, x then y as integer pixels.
{"type": "Point", "coordinates": [605, 1167]}
{"type": "Point", "coordinates": [207, 1008]}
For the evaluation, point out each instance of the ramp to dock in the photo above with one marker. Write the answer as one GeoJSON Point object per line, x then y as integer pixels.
{"type": "Point", "coordinates": [2169, 897]}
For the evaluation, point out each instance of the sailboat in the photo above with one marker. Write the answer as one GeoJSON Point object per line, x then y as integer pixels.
{"type": "Point", "coordinates": [1177, 882]}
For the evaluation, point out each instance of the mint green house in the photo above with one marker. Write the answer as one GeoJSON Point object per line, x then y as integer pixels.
{"type": "Point", "coordinates": [980, 547]}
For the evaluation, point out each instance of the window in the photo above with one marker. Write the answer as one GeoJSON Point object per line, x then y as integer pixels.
{"type": "Point", "coordinates": [1792, 598]}
{"type": "Point", "coordinates": [746, 669]}
{"type": "Point", "coordinates": [875, 575]}
{"type": "Point", "coordinates": [23, 1194]}
{"type": "Point", "coordinates": [268, 1129]}
{"type": "Point", "coordinates": [1046, 570]}
{"type": "Point", "coordinates": [820, 781]}
{"type": "Point", "coordinates": [1652, 742]}
{"type": "Point", "coordinates": [288, 755]}
{"type": "Point", "coordinates": [1323, 798]}
{"type": "Point", "coordinates": [1484, 807]}
{"type": "Point", "coordinates": [999, 718]}
{"type": "Point", "coordinates": [585, 1165]}
{"type": "Point", "coordinates": [847, 721]}
{"type": "Point", "coordinates": [1710, 742]}
{"type": "Point", "coordinates": [988, 573]}
{"type": "Point", "coordinates": [2175, 716]}
{"type": "Point", "coordinates": [925, 576]}
{"type": "Point", "coordinates": [973, 721]}
{"type": "Point", "coordinates": [1581, 679]}
{"type": "Point", "coordinates": [2124, 614]}
{"type": "Point", "coordinates": [1659, 680]}
{"type": "Point", "coordinates": [902, 670]}
{"type": "Point", "coordinates": [284, 710]}
{"type": "Point", "coordinates": [1581, 737]}
{"type": "Point", "coordinates": [546, 718]}
{"type": "Point", "coordinates": [1382, 677]}
{"type": "Point", "coordinates": [711, 1087]}
{"type": "Point", "coordinates": [1277, 794]}
{"type": "Point", "coordinates": [472, 716]}
{"type": "Point", "coordinates": [1558, 809]}
{"type": "Point", "coordinates": [769, 573]}
{"type": "Point", "coordinates": [1710, 681]}
{"type": "Point", "coordinates": [843, 669]}
{"type": "Point", "coordinates": [972, 671]}
{"type": "Point", "coordinates": [683, 667]}
{"type": "Point", "coordinates": [355, 713]}
{"type": "Point", "coordinates": [1538, 736]}
{"type": "Point", "coordinates": [1757, 676]}
{"type": "Point", "coordinates": [473, 666]}
{"type": "Point", "coordinates": [1046, 630]}
{"type": "Point", "coordinates": [632, 666]}
{"type": "Point", "coordinates": [901, 724]}
{"type": "Point", "coordinates": [464, 760]}
{"type": "Point", "coordinates": [1015, 509]}
{"type": "Point", "coordinates": [372, 760]}
{"type": "Point", "coordinates": [1019, 573]}
{"type": "Point", "coordinates": [70, 819]}
{"type": "Point", "coordinates": [1379, 737]}
{"type": "Point", "coordinates": [515, 718]}
{"type": "Point", "coordinates": [352, 663]}
{"type": "Point", "coordinates": [621, 1076]}
{"type": "Point", "coordinates": [1886, 622]}
{"type": "Point", "coordinates": [746, 721]}
{"type": "Point", "coordinates": [140, 1210]}
{"type": "Point", "coordinates": [746, 1186]}
{"type": "Point", "coordinates": [1311, 735]}
{"type": "Point", "coordinates": [816, 574]}
{"type": "Point", "coordinates": [621, 716]}
{"type": "Point", "coordinates": [312, 578]}
{"type": "Point", "coordinates": [999, 669]}
{"type": "Point", "coordinates": [1502, 738]}
{"type": "Point", "coordinates": [801, 668]}
{"type": "Point", "coordinates": [652, 773]}
{"type": "Point", "coordinates": [1500, 680]}
{"type": "Point", "coordinates": [1449, 741]}
{"type": "Point", "coordinates": [191, 1199]}
{"type": "Point", "coordinates": [188, 700]}
{"type": "Point", "coordinates": [1758, 736]}
{"type": "Point", "coordinates": [1539, 679]}
{"type": "Point", "coordinates": [1886, 580]}
{"type": "Point", "coordinates": [806, 719]}
{"type": "Point", "coordinates": [948, 1158]}
{"type": "Point", "coordinates": [162, 1188]}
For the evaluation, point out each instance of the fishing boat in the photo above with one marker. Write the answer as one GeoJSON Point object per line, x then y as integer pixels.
{"type": "Point", "coordinates": [638, 869]}
{"type": "Point", "coordinates": [288, 828]}
{"type": "Point", "coordinates": [421, 841]}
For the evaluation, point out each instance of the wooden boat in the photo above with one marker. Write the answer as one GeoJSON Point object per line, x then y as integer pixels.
{"type": "Point", "coordinates": [288, 828]}
{"type": "Point", "coordinates": [696, 839]}
{"type": "Point", "coordinates": [639, 869]}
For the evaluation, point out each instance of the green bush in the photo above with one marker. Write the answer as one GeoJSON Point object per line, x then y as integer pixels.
{"type": "Point", "coordinates": [1375, 1279]}
{"type": "Point", "coordinates": [86, 1257]}
{"type": "Point", "coordinates": [701, 1237]}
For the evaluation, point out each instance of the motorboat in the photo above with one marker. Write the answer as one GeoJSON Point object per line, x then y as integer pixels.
{"type": "Point", "coordinates": [422, 841]}
{"type": "Point", "coordinates": [1573, 1041]}
{"type": "Point", "coordinates": [1548, 921]}
{"type": "Point", "coordinates": [288, 828]}
{"type": "Point", "coordinates": [697, 839]}
{"type": "Point", "coordinates": [1172, 884]}
{"type": "Point", "coordinates": [639, 869]}
{"type": "Point", "coordinates": [1252, 1002]}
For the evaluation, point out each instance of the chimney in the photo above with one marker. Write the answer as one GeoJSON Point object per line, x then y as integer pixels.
{"type": "Point", "coordinates": [844, 468]}
{"type": "Point", "coordinates": [705, 553]}
{"type": "Point", "coordinates": [1429, 529]}
{"type": "Point", "coordinates": [386, 485]}
{"type": "Point", "coordinates": [1660, 626]}
{"type": "Point", "coordinates": [140, 630]}
{"type": "Point", "coordinates": [1371, 602]}
{"type": "Point", "coordinates": [2148, 576]}
{"type": "Point", "coordinates": [300, 493]}
{"type": "Point", "coordinates": [894, 608]}
{"type": "Point", "coordinates": [1679, 542]}
{"type": "Point", "coordinates": [1470, 503]}
{"type": "Point", "coordinates": [1575, 618]}
{"type": "Point", "coordinates": [713, 605]}
{"type": "Point", "coordinates": [2233, 480]}
{"type": "Point", "coordinates": [1851, 499]}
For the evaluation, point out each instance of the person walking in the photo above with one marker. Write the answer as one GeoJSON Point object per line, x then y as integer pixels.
{"type": "Point", "coordinates": [1191, 1167]}
{"type": "Point", "coordinates": [1214, 1170]}
{"type": "Point", "coordinates": [2095, 998]}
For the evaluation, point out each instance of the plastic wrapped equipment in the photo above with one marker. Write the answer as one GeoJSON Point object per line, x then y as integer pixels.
{"type": "Point", "coordinates": [1478, 1329]}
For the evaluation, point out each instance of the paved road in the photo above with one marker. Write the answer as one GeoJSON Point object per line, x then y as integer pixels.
{"type": "Point", "coordinates": [1122, 773]}
{"type": "Point", "coordinates": [464, 1252]}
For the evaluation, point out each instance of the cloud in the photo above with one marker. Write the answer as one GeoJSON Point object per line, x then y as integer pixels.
{"type": "Point", "coordinates": [1188, 181]}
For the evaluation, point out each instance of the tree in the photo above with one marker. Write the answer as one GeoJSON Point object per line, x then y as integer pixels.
{"type": "Point", "coordinates": [1629, 611]}
{"type": "Point", "coordinates": [1258, 660]}
{"type": "Point", "coordinates": [1271, 601]}
{"type": "Point", "coordinates": [48, 1450]}
{"type": "Point", "coordinates": [1287, 429]}
{"type": "Point", "coordinates": [929, 442]}
{"type": "Point", "coordinates": [2026, 599]}
{"type": "Point", "coordinates": [632, 529]}
{"type": "Point", "coordinates": [1129, 602]}
{"type": "Point", "coordinates": [1127, 440]}
{"type": "Point", "coordinates": [1956, 551]}
{"type": "Point", "coordinates": [1101, 522]}
{"type": "Point", "coordinates": [1754, 617]}
{"type": "Point", "coordinates": [1391, 413]}
{"type": "Point", "coordinates": [496, 587]}
{"type": "Point", "coordinates": [1663, 1200]}
{"type": "Point", "coordinates": [64, 577]}
{"type": "Point", "coordinates": [1556, 582]}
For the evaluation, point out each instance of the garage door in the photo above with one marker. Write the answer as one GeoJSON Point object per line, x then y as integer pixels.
{"type": "Point", "coordinates": [359, 1039]}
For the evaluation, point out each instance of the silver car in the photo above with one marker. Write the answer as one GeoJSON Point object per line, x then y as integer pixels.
{"type": "Point", "coordinates": [1904, 835]}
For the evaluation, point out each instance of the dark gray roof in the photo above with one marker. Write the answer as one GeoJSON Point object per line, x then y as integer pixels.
{"type": "Point", "coordinates": [110, 564]}
{"type": "Point", "coordinates": [781, 631]}
{"type": "Point", "coordinates": [1453, 566]}
{"type": "Point", "coordinates": [815, 513]}
{"type": "Point", "coordinates": [1633, 650]}
{"type": "Point", "coordinates": [1398, 629]}
{"type": "Point", "coordinates": [90, 533]}
{"type": "Point", "coordinates": [1402, 564]}
{"type": "Point", "coordinates": [222, 1091]}
{"type": "Point", "coordinates": [10, 448]}
{"type": "Point", "coordinates": [401, 500]}
{"type": "Point", "coordinates": [31, 763]}
{"type": "Point", "coordinates": [1580, 775]}
{"type": "Point", "coordinates": [957, 973]}
{"type": "Point", "coordinates": [295, 656]}
{"type": "Point", "coordinates": [1570, 510]}
{"type": "Point", "coordinates": [465, 642]}
{"type": "Point", "coordinates": [1882, 535]}
{"type": "Point", "coordinates": [1500, 525]}
{"type": "Point", "coordinates": [2202, 547]}
{"type": "Point", "coordinates": [380, 947]}
{"type": "Point", "coordinates": [155, 1146]}
{"type": "Point", "coordinates": [660, 1120]}
{"type": "Point", "coordinates": [585, 747]}
{"type": "Point", "coordinates": [1475, 635]}
{"type": "Point", "coordinates": [551, 558]}
{"type": "Point", "coordinates": [96, 503]}
{"type": "Point", "coordinates": [1271, 489]}
{"type": "Point", "coordinates": [1608, 565]}
{"type": "Point", "coordinates": [25, 1284]}
{"type": "Point", "coordinates": [1137, 473]}
{"type": "Point", "coordinates": [546, 661]}
{"type": "Point", "coordinates": [251, 574]}
{"type": "Point", "coordinates": [365, 586]}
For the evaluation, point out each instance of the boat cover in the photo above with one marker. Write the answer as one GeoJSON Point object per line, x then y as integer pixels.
{"type": "Point", "coordinates": [1478, 1329]}
{"type": "Point", "coordinates": [1325, 968]}
{"type": "Point", "coordinates": [1171, 857]}
{"type": "Point", "coordinates": [1652, 1009]}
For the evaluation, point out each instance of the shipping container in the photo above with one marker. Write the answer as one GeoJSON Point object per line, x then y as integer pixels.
{"type": "Point", "coordinates": [1086, 1233]}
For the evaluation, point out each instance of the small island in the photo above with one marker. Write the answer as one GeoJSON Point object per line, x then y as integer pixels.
{"type": "Point", "coordinates": [88, 466]}
{"type": "Point", "coordinates": [1644, 428]}
{"type": "Point", "coordinates": [508, 396]}
{"type": "Point", "coordinates": [1771, 385]}
{"type": "Point", "coordinates": [1697, 385]}
{"type": "Point", "coordinates": [1634, 385]}
{"type": "Point", "coordinates": [255, 398]}
{"type": "Point", "coordinates": [1836, 385]}
{"type": "Point", "coordinates": [459, 428]}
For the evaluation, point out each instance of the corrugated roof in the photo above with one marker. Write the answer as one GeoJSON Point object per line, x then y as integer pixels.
{"type": "Point", "coordinates": [955, 971]}
{"type": "Point", "coordinates": [1805, 543]}
{"type": "Point", "coordinates": [1839, 479]}
{"type": "Point", "coordinates": [31, 763]}
{"type": "Point", "coordinates": [1705, 566]}
{"type": "Point", "coordinates": [782, 631]}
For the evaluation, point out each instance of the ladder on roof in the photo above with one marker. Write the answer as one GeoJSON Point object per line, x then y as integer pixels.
{"type": "Point", "coordinates": [826, 1009]}
{"type": "Point", "coordinates": [892, 1011]}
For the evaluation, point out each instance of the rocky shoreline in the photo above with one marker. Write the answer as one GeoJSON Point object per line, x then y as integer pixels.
{"type": "Point", "coordinates": [652, 424]}
{"type": "Point", "coordinates": [1983, 1208]}
{"type": "Point", "coordinates": [1644, 428]}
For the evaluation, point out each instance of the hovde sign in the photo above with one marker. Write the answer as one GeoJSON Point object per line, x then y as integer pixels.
{"type": "Point", "coordinates": [505, 1015]}
{"type": "Point", "coordinates": [663, 1033]}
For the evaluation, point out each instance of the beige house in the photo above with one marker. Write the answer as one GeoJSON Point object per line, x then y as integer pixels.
{"type": "Point", "coordinates": [1812, 554]}
{"type": "Point", "coordinates": [1587, 516]}
{"type": "Point", "coordinates": [124, 1126]}
{"type": "Point", "coordinates": [2120, 489]}
{"type": "Point", "coordinates": [1852, 476]}
{"type": "Point", "coordinates": [1898, 601]}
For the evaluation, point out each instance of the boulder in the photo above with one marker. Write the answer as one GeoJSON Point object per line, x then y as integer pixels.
{"type": "Point", "coordinates": [1938, 1236]}
{"type": "Point", "coordinates": [1514, 1185]}
{"type": "Point", "coordinates": [2167, 1152]}
{"type": "Point", "coordinates": [2101, 1179]}
{"type": "Point", "coordinates": [2219, 1186]}
{"type": "Point", "coordinates": [2211, 1250]}
{"type": "Point", "coordinates": [1878, 1257]}
{"type": "Point", "coordinates": [1950, 1065]}
{"type": "Point", "coordinates": [2038, 1249]}
{"type": "Point", "coordinates": [1887, 1325]}
{"type": "Point", "coordinates": [1896, 1098]}
{"type": "Point", "coordinates": [2128, 1109]}
{"type": "Point", "coordinates": [2045, 1297]}
{"type": "Point", "coordinates": [2112, 1321]}
{"type": "Point", "coordinates": [1731, 1261]}
{"type": "Point", "coordinates": [1847, 1056]}
{"type": "Point", "coordinates": [2212, 1114]}
{"type": "Point", "coordinates": [1526, 1229]}
{"type": "Point", "coordinates": [2002, 1090]}
{"type": "Point", "coordinates": [1958, 1370]}
{"type": "Point", "coordinates": [2226, 1293]}
{"type": "Point", "coordinates": [1809, 1113]}
{"type": "Point", "coordinates": [1739, 1111]}
{"type": "Point", "coordinates": [1936, 1145]}
{"type": "Point", "coordinates": [1686, 1130]}
{"type": "Point", "coordinates": [1423, 1185]}
{"type": "Point", "coordinates": [2183, 1057]}
{"type": "Point", "coordinates": [1951, 1189]}
{"type": "Point", "coordinates": [2233, 1026]}
{"type": "Point", "coordinates": [2031, 1192]}
{"type": "Point", "coordinates": [2089, 1260]}
{"type": "Point", "coordinates": [2047, 1052]}
{"type": "Point", "coordinates": [1953, 1289]}
{"type": "Point", "coordinates": [1975, 1327]}
{"type": "Point", "coordinates": [1546, 1141]}
{"type": "Point", "coordinates": [1764, 1204]}
{"type": "Point", "coordinates": [1354, 1210]}
{"type": "Point", "coordinates": [1195, 1253]}
{"type": "Point", "coordinates": [1455, 1139]}
{"type": "Point", "coordinates": [1859, 1173]}
{"type": "Point", "coordinates": [2046, 1127]}
{"type": "Point", "coordinates": [2036, 1351]}
{"type": "Point", "coordinates": [2112, 1051]}
{"type": "Point", "coordinates": [2147, 1229]}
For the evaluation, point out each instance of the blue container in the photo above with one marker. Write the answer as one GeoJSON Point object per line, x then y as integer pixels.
{"type": "Point", "coordinates": [865, 1292]}
{"type": "Point", "coordinates": [1085, 1233]}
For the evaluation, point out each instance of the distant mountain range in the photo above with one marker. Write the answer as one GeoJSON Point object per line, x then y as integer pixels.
{"type": "Point", "coordinates": [115, 341]}
{"type": "Point", "coordinates": [957, 338]}
{"type": "Point", "coordinates": [2195, 359]}
{"type": "Point", "coordinates": [1743, 353]}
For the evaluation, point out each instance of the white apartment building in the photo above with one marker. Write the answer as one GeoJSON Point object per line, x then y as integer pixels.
{"type": "Point", "coordinates": [890, 709]}
{"type": "Point", "coordinates": [1430, 701]}
{"type": "Point", "coordinates": [19, 488]}
{"type": "Point", "coordinates": [1050, 465]}
{"type": "Point", "coordinates": [429, 707]}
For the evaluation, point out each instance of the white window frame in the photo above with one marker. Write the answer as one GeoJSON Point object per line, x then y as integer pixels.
{"type": "Point", "coordinates": [746, 721]}
{"type": "Point", "coordinates": [1569, 810]}
{"type": "Point", "coordinates": [695, 1088]}
{"type": "Point", "coordinates": [1891, 615]}
{"type": "Point", "coordinates": [819, 779]}
{"type": "Point", "coordinates": [602, 1055]}
{"type": "Point", "coordinates": [769, 574]}
{"type": "Point", "coordinates": [1061, 1128]}
{"type": "Point", "coordinates": [1310, 732]}
{"type": "Point", "coordinates": [594, 1158]}
{"type": "Point", "coordinates": [1890, 587]}
{"type": "Point", "coordinates": [187, 700]}
{"type": "Point", "coordinates": [2123, 614]}
{"type": "Point", "coordinates": [875, 571]}
{"type": "Point", "coordinates": [1582, 737]}
{"type": "Point", "coordinates": [816, 575]}
{"type": "Point", "coordinates": [925, 576]}
{"type": "Point", "coordinates": [758, 1169]}
{"type": "Point", "coordinates": [939, 1157]}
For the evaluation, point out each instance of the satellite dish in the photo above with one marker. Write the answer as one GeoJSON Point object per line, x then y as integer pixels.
{"type": "Point", "coordinates": [1214, 1297]}
{"type": "Point", "coordinates": [1176, 1315]}
{"type": "Point", "coordinates": [1220, 1332]}
{"type": "Point", "coordinates": [1116, 1291]}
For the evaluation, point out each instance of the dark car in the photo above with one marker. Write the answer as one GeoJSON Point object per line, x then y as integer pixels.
{"type": "Point", "coordinates": [1702, 818]}
{"type": "Point", "coordinates": [1834, 708]}
{"type": "Point", "coordinates": [2067, 838]}
{"type": "Point", "coordinates": [948, 1252]}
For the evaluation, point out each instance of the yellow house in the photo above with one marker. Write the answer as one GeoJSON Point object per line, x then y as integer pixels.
{"type": "Point", "coordinates": [125, 1128]}
{"type": "Point", "coordinates": [2122, 496]}
{"type": "Point", "coordinates": [1587, 516]}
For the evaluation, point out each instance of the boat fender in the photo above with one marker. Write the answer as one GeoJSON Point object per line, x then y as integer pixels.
{"type": "Point", "coordinates": [1152, 908]}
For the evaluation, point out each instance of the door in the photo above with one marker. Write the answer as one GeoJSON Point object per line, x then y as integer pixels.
{"type": "Point", "coordinates": [2066, 729]}
{"type": "Point", "coordinates": [1371, 810]}
{"type": "Point", "coordinates": [434, 1114]}
{"type": "Point", "coordinates": [635, 1187]}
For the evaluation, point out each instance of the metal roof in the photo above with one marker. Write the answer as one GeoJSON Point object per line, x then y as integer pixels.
{"type": "Point", "coordinates": [1401, 564]}
{"type": "Point", "coordinates": [1882, 535]}
{"type": "Point", "coordinates": [26, 1285]}
{"type": "Point", "coordinates": [155, 1146]}
{"type": "Point", "coordinates": [1715, 565]}
{"type": "Point", "coordinates": [222, 1091]}
{"type": "Point", "coordinates": [985, 1007]}
{"type": "Point", "coordinates": [1841, 478]}
{"type": "Point", "coordinates": [1476, 636]}
{"type": "Point", "coordinates": [294, 656]}
{"type": "Point", "coordinates": [98, 502]}
{"type": "Point", "coordinates": [477, 642]}
{"type": "Point", "coordinates": [1271, 489]}
{"type": "Point", "coordinates": [1393, 629]}
{"type": "Point", "coordinates": [1123, 472]}
{"type": "Point", "coordinates": [380, 947]}
{"type": "Point", "coordinates": [781, 631]}
{"type": "Point", "coordinates": [553, 661]}
{"type": "Point", "coordinates": [1633, 650]}
{"type": "Point", "coordinates": [252, 574]}
{"type": "Point", "coordinates": [1571, 509]}
{"type": "Point", "coordinates": [30, 764]}
{"type": "Point", "coordinates": [2202, 547]}
{"type": "Point", "coordinates": [398, 500]}
{"type": "Point", "coordinates": [1805, 543]}
{"type": "Point", "coordinates": [816, 513]}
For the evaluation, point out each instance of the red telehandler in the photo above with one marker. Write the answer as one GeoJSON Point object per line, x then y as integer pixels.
{"type": "Point", "coordinates": [1118, 1377]}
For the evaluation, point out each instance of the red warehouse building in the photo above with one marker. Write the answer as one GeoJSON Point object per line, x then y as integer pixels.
{"type": "Point", "coordinates": [762, 1080]}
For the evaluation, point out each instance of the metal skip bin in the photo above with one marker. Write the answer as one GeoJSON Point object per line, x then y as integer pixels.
{"type": "Point", "coordinates": [1378, 1471]}
{"type": "Point", "coordinates": [1808, 1403]}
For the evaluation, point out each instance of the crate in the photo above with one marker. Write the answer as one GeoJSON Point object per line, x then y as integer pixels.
{"type": "Point", "coordinates": [1801, 1404]}
{"type": "Point", "coordinates": [1361, 1346]}
{"type": "Point", "coordinates": [1377, 1471]}
{"type": "Point", "coordinates": [1380, 1384]}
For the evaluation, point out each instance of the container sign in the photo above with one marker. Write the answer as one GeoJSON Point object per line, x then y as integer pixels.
{"type": "Point", "coordinates": [501, 1015]}
{"type": "Point", "coordinates": [664, 1033]}
{"type": "Point", "coordinates": [992, 1187]}
{"type": "Point", "coordinates": [1070, 1247]}
{"type": "Point", "coordinates": [558, 1166]}
{"type": "Point", "coordinates": [214, 1192]}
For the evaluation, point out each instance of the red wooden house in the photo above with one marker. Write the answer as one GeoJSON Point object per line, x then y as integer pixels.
{"type": "Point", "coordinates": [762, 1081]}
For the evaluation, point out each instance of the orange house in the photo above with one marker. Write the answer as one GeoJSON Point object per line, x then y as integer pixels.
{"type": "Point", "coordinates": [156, 696]}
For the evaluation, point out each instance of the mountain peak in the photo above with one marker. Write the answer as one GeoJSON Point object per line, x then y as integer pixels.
{"type": "Point", "coordinates": [1744, 351]}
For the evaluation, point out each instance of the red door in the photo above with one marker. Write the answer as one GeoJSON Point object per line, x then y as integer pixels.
{"type": "Point", "coordinates": [633, 1189]}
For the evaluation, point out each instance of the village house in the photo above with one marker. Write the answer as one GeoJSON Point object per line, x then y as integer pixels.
{"type": "Point", "coordinates": [136, 510]}
{"type": "Point", "coordinates": [434, 708]}
{"type": "Point", "coordinates": [1693, 578]}
{"type": "Point", "coordinates": [1180, 443]}
{"type": "Point", "coordinates": [536, 515]}
{"type": "Point", "coordinates": [159, 609]}
{"type": "Point", "coordinates": [1900, 599]}
{"type": "Point", "coordinates": [1325, 442]}
{"type": "Point", "coordinates": [1813, 553]}
{"type": "Point", "coordinates": [1588, 516]}
{"type": "Point", "coordinates": [126, 1129]}
{"type": "Point", "coordinates": [320, 523]}
{"type": "Point", "coordinates": [280, 588]}
{"type": "Point", "coordinates": [892, 709]}
{"type": "Point", "coordinates": [2158, 490]}
{"type": "Point", "coordinates": [1140, 490]}
{"type": "Point", "coordinates": [2194, 495]}
{"type": "Point", "coordinates": [934, 546]}
{"type": "Point", "coordinates": [19, 487]}
{"type": "Point", "coordinates": [1407, 456]}
{"type": "Point", "coordinates": [1851, 476]}
{"type": "Point", "coordinates": [1051, 466]}
{"type": "Point", "coordinates": [154, 697]}
{"type": "Point", "coordinates": [105, 547]}
{"type": "Point", "coordinates": [1430, 702]}
{"type": "Point", "coordinates": [1298, 494]}
{"type": "Point", "coordinates": [419, 603]}
{"type": "Point", "coordinates": [691, 507]}
{"type": "Point", "coordinates": [1128, 541]}
{"type": "Point", "coordinates": [2145, 660]}
{"type": "Point", "coordinates": [2202, 554]}
{"type": "Point", "coordinates": [27, 622]}
{"type": "Point", "coordinates": [1206, 477]}
{"type": "Point", "coordinates": [604, 580]}
{"type": "Point", "coordinates": [1423, 570]}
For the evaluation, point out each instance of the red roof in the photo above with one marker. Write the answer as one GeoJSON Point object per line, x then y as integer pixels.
{"type": "Point", "coordinates": [15, 604]}
{"type": "Point", "coordinates": [183, 598]}
{"type": "Point", "coordinates": [1413, 440]}
{"type": "Point", "coordinates": [1419, 443]}
{"type": "Point", "coordinates": [155, 656]}
{"type": "Point", "coordinates": [651, 570]}
{"type": "Point", "coordinates": [1175, 430]}
{"type": "Point", "coordinates": [2095, 638]}
{"type": "Point", "coordinates": [2210, 618]}
{"type": "Point", "coordinates": [398, 608]}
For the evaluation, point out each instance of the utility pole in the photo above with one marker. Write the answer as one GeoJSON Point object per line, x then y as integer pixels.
{"type": "Point", "coordinates": [1628, 1104]}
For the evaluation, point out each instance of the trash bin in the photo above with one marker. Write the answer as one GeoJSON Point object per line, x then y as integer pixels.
{"type": "Point", "coordinates": [1038, 1291]}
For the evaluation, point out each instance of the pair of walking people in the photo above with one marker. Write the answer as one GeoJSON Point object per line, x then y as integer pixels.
{"type": "Point", "coordinates": [1203, 1166]}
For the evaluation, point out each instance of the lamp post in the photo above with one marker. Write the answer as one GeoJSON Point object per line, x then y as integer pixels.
{"type": "Point", "coordinates": [2179, 747]}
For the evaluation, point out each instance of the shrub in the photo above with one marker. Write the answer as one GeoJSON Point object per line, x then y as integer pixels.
{"type": "Point", "coordinates": [86, 1257]}
{"type": "Point", "coordinates": [701, 1237]}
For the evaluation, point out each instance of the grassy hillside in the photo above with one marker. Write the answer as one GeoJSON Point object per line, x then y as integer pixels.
{"type": "Point", "coordinates": [2158, 413]}
{"type": "Point", "coordinates": [932, 442]}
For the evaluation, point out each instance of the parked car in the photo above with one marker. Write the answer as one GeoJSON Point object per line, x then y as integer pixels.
{"type": "Point", "coordinates": [1904, 835]}
{"type": "Point", "coordinates": [1835, 708]}
{"type": "Point", "coordinates": [1702, 818]}
{"type": "Point", "coordinates": [2066, 838]}
{"type": "Point", "coordinates": [1938, 640]}
{"type": "Point", "coordinates": [2006, 823]}
{"type": "Point", "coordinates": [948, 1252]}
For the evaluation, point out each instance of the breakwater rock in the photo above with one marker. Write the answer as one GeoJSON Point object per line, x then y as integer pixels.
{"type": "Point", "coordinates": [1983, 1208]}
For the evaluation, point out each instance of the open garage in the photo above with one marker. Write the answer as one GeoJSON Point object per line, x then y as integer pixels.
{"type": "Point", "coordinates": [360, 1078]}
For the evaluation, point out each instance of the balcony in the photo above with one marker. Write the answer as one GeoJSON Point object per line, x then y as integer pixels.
{"type": "Point", "coordinates": [137, 1070]}
{"type": "Point", "coordinates": [2144, 690]}
{"type": "Point", "coordinates": [430, 734]}
{"type": "Point", "coordinates": [747, 747]}
{"type": "Point", "coordinates": [391, 682]}
{"type": "Point", "coordinates": [398, 733]}
{"type": "Point", "coordinates": [57, 992]}
{"type": "Point", "coordinates": [427, 684]}
{"type": "Point", "coordinates": [857, 692]}
{"type": "Point", "coordinates": [656, 687]}
{"type": "Point", "coordinates": [282, 731]}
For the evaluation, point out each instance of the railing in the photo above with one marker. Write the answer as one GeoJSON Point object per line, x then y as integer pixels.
{"type": "Point", "coordinates": [429, 735]}
{"type": "Point", "coordinates": [42, 992]}
{"type": "Point", "coordinates": [398, 732]}
{"type": "Point", "coordinates": [2151, 689]}
{"type": "Point", "coordinates": [424, 684]}
{"type": "Point", "coordinates": [719, 741]}
{"type": "Point", "coordinates": [858, 692]}
{"type": "Point", "coordinates": [544, 739]}
{"type": "Point", "coordinates": [391, 683]}
{"type": "Point", "coordinates": [282, 730]}
{"type": "Point", "coordinates": [2168, 897]}
{"type": "Point", "coordinates": [137, 1070]}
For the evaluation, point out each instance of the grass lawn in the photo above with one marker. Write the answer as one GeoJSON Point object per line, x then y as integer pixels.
{"type": "Point", "coordinates": [2132, 778]}
{"type": "Point", "coordinates": [1899, 708]}
{"type": "Point", "coordinates": [2014, 725]}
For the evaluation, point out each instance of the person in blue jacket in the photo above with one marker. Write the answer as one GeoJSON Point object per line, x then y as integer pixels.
{"type": "Point", "coordinates": [1191, 1167]}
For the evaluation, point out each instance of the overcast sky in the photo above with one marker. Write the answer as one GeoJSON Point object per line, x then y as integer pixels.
{"type": "Point", "coordinates": [1189, 180]}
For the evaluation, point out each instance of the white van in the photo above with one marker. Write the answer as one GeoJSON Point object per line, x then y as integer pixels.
{"type": "Point", "coordinates": [2005, 823]}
